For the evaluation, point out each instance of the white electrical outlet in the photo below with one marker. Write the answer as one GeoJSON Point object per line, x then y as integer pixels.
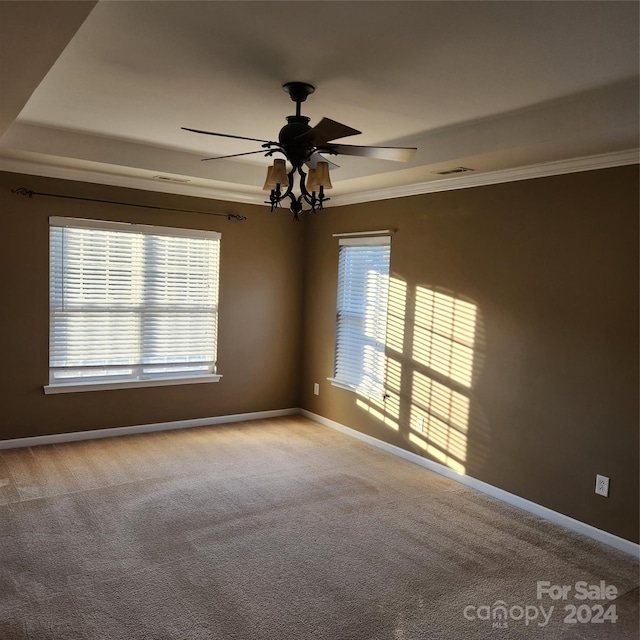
{"type": "Point", "coordinates": [602, 485]}
{"type": "Point", "coordinates": [316, 389]}
{"type": "Point", "coordinates": [420, 423]}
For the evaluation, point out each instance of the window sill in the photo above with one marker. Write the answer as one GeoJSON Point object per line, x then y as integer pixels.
{"type": "Point", "coordinates": [342, 385]}
{"type": "Point", "coordinates": [74, 387]}
{"type": "Point", "coordinates": [349, 387]}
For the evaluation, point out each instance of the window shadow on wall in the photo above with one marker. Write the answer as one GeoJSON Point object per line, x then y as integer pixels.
{"type": "Point", "coordinates": [434, 355]}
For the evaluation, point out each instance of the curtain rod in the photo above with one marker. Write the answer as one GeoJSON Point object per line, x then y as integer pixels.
{"type": "Point", "coordinates": [379, 232]}
{"type": "Point", "coordinates": [29, 193]}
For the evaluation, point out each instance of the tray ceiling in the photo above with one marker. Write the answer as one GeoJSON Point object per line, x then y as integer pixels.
{"type": "Point", "coordinates": [99, 91]}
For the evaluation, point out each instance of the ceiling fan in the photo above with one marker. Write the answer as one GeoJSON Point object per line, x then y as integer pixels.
{"type": "Point", "coordinates": [303, 145]}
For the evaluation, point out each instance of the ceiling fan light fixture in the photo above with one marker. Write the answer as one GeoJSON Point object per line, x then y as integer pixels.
{"type": "Point", "coordinates": [322, 178]}
{"type": "Point", "coordinates": [279, 173]}
{"type": "Point", "coordinates": [311, 183]}
{"type": "Point", "coordinates": [269, 183]}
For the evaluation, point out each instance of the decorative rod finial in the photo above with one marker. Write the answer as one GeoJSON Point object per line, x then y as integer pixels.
{"type": "Point", "coordinates": [23, 192]}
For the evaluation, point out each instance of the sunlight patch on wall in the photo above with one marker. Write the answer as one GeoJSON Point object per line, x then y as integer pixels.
{"type": "Point", "coordinates": [392, 388]}
{"type": "Point", "coordinates": [439, 421]}
{"type": "Point", "coordinates": [386, 409]}
{"type": "Point", "coordinates": [430, 391]}
{"type": "Point", "coordinates": [396, 314]}
{"type": "Point", "coordinates": [444, 333]}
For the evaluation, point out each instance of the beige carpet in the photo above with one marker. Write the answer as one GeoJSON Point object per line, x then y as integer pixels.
{"type": "Point", "coordinates": [277, 530]}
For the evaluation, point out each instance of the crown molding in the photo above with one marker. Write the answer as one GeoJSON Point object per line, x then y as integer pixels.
{"type": "Point", "coordinates": [573, 165]}
{"type": "Point", "coordinates": [528, 172]}
{"type": "Point", "coordinates": [44, 170]}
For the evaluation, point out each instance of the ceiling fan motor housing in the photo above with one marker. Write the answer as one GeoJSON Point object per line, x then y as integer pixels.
{"type": "Point", "coordinates": [297, 149]}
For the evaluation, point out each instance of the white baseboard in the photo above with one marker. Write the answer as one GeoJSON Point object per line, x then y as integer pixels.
{"type": "Point", "coordinates": [35, 441]}
{"type": "Point", "coordinates": [548, 514]}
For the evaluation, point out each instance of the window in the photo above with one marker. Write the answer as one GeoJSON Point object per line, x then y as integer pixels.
{"type": "Point", "coordinates": [363, 291]}
{"type": "Point", "coordinates": [131, 304]}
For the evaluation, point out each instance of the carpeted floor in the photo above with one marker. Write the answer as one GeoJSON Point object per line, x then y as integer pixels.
{"type": "Point", "coordinates": [279, 530]}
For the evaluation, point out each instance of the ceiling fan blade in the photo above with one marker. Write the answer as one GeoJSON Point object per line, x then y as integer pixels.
{"type": "Point", "coordinates": [327, 130]}
{"type": "Point", "coordinates": [224, 135]}
{"type": "Point", "coordinates": [399, 154]}
{"type": "Point", "coordinates": [235, 155]}
{"type": "Point", "coordinates": [315, 157]}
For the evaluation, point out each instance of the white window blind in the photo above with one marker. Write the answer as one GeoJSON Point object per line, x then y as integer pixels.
{"type": "Point", "coordinates": [131, 302]}
{"type": "Point", "coordinates": [363, 291]}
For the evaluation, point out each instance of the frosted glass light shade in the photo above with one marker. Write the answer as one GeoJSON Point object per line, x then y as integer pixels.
{"type": "Point", "coordinates": [279, 175]}
{"type": "Point", "coordinates": [311, 181]}
{"type": "Point", "coordinates": [269, 183]}
{"type": "Point", "coordinates": [322, 177]}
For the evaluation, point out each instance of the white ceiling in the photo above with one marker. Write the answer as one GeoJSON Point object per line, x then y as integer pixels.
{"type": "Point", "coordinates": [98, 91]}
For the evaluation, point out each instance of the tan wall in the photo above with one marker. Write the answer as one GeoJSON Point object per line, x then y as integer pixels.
{"type": "Point", "coordinates": [551, 266]}
{"type": "Point", "coordinates": [259, 323]}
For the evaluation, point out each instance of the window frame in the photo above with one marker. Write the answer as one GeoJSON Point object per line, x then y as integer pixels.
{"type": "Point", "coordinates": [97, 383]}
{"type": "Point", "coordinates": [381, 239]}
